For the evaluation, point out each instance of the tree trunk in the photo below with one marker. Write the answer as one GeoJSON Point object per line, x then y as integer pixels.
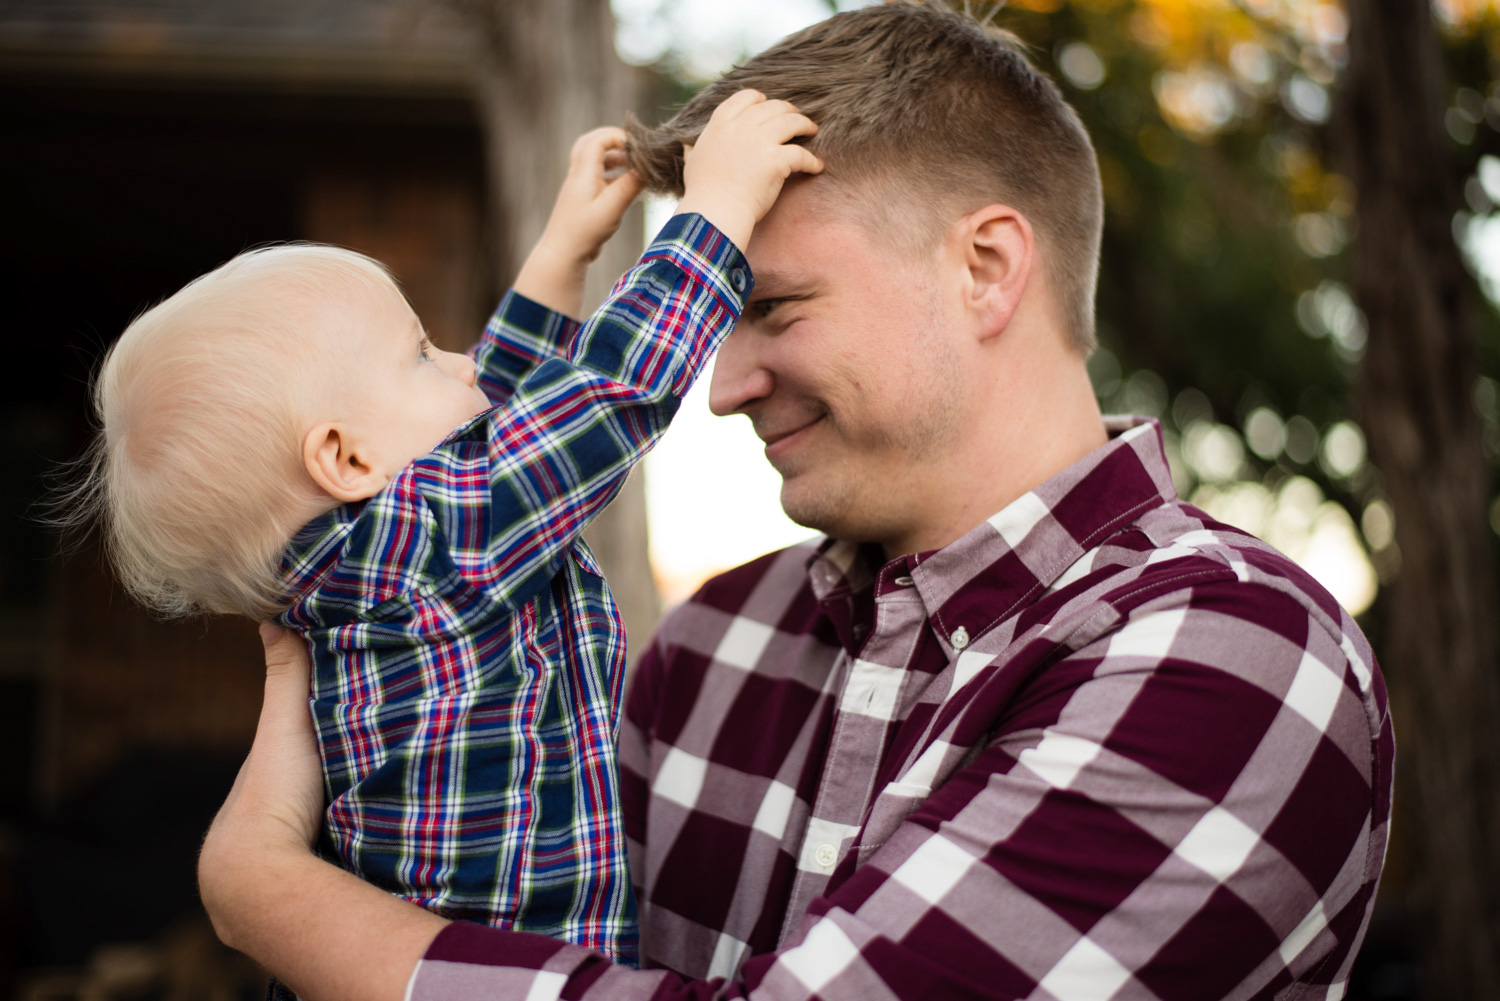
{"type": "Point", "coordinates": [550, 74]}
{"type": "Point", "coordinates": [1414, 400]}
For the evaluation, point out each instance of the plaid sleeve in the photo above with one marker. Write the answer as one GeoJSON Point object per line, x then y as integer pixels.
{"type": "Point", "coordinates": [1090, 848]}
{"type": "Point", "coordinates": [520, 336]}
{"type": "Point", "coordinates": [557, 451]}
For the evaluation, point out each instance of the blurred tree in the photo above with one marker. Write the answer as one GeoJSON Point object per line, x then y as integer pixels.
{"type": "Point", "coordinates": [550, 74]}
{"type": "Point", "coordinates": [1414, 394]}
{"type": "Point", "coordinates": [1226, 234]}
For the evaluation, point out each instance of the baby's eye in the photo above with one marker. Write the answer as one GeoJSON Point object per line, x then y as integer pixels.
{"type": "Point", "coordinates": [423, 349]}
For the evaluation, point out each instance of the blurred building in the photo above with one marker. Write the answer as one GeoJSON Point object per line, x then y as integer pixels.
{"type": "Point", "coordinates": [143, 142]}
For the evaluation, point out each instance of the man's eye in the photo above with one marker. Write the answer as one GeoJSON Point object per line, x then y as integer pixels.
{"type": "Point", "coordinates": [765, 306]}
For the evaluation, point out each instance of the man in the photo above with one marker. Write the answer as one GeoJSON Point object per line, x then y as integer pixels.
{"type": "Point", "coordinates": [1023, 726]}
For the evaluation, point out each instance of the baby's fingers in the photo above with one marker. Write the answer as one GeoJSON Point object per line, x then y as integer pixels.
{"type": "Point", "coordinates": [738, 102]}
{"type": "Point", "coordinates": [620, 192]}
{"type": "Point", "coordinates": [591, 149]}
{"type": "Point", "coordinates": [797, 159]}
{"type": "Point", "coordinates": [771, 107]}
{"type": "Point", "coordinates": [791, 124]}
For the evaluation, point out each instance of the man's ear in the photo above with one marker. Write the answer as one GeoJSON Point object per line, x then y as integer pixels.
{"type": "Point", "coordinates": [997, 245]}
{"type": "Point", "coordinates": [336, 466]}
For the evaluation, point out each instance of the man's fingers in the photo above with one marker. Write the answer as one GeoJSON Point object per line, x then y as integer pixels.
{"type": "Point", "coordinates": [282, 777]}
{"type": "Point", "coordinates": [286, 654]}
{"type": "Point", "coordinates": [288, 676]}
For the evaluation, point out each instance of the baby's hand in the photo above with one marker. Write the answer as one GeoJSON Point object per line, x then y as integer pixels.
{"type": "Point", "coordinates": [587, 213]}
{"type": "Point", "coordinates": [589, 207]}
{"type": "Point", "coordinates": [734, 172]}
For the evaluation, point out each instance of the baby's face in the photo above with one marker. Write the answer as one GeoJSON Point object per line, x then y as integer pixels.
{"type": "Point", "coordinates": [406, 394]}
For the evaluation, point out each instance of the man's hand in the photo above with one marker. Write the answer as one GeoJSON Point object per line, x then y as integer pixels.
{"type": "Point", "coordinates": [281, 783]}
{"type": "Point", "coordinates": [325, 933]}
{"type": "Point", "coordinates": [587, 213]}
{"type": "Point", "coordinates": [734, 172]}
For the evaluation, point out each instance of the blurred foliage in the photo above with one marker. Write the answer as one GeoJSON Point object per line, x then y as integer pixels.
{"type": "Point", "coordinates": [1222, 302]}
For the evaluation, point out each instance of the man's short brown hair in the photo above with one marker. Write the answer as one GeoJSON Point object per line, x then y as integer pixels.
{"type": "Point", "coordinates": [926, 104]}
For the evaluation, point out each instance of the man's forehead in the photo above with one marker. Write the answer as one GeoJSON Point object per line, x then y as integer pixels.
{"type": "Point", "coordinates": [789, 245]}
{"type": "Point", "coordinates": [818, 230]}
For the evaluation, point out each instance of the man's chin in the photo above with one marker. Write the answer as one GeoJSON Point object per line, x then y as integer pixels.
{"type": "Point", "coordinates": [813, 505]}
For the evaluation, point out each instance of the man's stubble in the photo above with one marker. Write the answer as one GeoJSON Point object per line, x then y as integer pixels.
{"type": "Point", "coordinates": [852, 495]}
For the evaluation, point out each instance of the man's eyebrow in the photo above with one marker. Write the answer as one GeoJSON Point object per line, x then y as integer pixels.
{"type": "Point", "coordinates": [773, 284]}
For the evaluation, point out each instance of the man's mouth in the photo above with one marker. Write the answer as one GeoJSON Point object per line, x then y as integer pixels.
{"type": "Point", "coordinates": [780, 441]}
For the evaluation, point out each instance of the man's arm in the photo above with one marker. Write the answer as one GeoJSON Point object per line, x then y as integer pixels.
{"type": "Point", "coordinates": [268, 895]}
{"type": "Point", "coordinates": [1173, 831]}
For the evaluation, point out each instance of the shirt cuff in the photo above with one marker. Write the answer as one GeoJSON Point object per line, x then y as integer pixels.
{"type": "Point", "coordinates": [469, 962]}
{"type": "Point", "coordinates": [697, 246]}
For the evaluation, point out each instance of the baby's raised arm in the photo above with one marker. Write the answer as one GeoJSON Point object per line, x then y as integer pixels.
{"type": "Point", "coordinates": [587, 213]}
{"type": "Point", "coordinates": [576, 424]}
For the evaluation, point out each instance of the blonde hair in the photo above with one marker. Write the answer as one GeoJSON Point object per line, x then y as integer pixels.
{"type": "Point", "coordinates": [196, 474]}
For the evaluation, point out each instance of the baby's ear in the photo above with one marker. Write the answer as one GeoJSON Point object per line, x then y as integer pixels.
{"type": "Point", "coordinates": [335, 464]}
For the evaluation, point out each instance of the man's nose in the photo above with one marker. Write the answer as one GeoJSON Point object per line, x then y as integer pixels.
{"type": "Point", "coordinates": [740, 374]}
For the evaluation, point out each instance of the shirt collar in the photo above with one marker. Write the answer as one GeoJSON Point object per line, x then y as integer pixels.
{"type": "Point", "coordinates": [1011, 558]}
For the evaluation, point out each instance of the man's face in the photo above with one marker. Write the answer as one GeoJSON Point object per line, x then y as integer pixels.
{"type": "Point", "coordinates": [846, 363]}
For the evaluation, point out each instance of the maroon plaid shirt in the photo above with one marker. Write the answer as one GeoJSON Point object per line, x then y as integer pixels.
{"type": "Point", "coordinates": [1100, 747]}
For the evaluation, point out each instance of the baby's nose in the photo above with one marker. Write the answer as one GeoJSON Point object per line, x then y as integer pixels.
{"type": "Point", "coordinates": [462, 366]}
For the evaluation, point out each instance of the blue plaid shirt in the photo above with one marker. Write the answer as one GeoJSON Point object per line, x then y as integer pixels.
{"type": "Point", "coordinates": [467, 653]}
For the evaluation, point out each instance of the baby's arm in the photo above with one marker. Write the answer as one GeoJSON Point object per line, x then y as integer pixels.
{"type": "Point", "coordinates": [587, 213]}
{"type": "Point", "coordinates": [559, 449]}
{"type": "Point", "coordinates": [534, 321]}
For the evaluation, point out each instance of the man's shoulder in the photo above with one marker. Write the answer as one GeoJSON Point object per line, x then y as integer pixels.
{"type": "Point", "coordinates": [767, 593]}
{"type": "Point", "coordinates": [1176, 586]}
{"type": "Point", "coordinates": [1175, 548]}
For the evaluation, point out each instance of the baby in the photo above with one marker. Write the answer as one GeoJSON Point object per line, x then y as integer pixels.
{"type": "Point", "coordinates": [280, 439]}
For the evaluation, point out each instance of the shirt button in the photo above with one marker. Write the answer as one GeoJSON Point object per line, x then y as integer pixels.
{"type": "Point", "coordinates": [737, 279]}
{"type": "Point", "coordinates": [960, 638]}
{"type": "Point", "coordinates": [826, 855]}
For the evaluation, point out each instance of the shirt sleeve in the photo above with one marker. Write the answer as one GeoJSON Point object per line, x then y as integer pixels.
{"type": "Point", "coordinates": [555, 453]}
{"type": "Point", "coordinates": [1153, 824]}
{"type": "Point", "coordinates": [520, 336]}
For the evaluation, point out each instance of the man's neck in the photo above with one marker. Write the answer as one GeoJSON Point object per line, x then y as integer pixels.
{"type": "Point", "coordinates": [1029, 430]}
